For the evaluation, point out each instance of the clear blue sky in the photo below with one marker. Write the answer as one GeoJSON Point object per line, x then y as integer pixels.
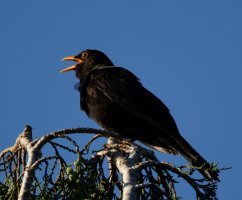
{"type": "Point", "coordinates": [189, 53]}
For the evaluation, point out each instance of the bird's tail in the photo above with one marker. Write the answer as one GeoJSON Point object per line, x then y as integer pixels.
{"type": "Point", "coordinates": [194, 158]}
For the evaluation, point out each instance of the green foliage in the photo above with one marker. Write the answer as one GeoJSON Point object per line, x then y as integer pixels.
{"type": "Point", "coordinates": [84, 179]}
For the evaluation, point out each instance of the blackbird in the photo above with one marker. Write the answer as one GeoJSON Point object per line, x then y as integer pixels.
{"type": "Point", "coordinates": [116, 100]}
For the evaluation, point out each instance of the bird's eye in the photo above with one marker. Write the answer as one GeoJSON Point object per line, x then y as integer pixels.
{"type": "Point", "coordinates": [84, 55]}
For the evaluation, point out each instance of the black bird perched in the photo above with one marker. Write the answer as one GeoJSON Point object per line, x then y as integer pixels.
{"type": "Point", "coordinates": [115, 99]}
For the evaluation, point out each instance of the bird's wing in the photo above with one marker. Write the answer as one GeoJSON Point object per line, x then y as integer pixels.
{"type": "Point", "coordinates": [123, 88]}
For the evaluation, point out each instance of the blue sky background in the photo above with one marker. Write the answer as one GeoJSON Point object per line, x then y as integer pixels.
{"type": "Point", "coordinates": [188, 53]}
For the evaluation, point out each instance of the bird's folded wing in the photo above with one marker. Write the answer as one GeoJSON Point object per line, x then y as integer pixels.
{"type": "Point", "coordinates": [123, 88]}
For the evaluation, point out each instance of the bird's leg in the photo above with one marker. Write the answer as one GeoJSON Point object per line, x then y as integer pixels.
{"type": "Point", "coordinates": [129, 134]}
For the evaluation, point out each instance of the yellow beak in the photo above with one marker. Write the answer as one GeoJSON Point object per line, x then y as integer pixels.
{"type": "Point", "coordinates": [73, 58]}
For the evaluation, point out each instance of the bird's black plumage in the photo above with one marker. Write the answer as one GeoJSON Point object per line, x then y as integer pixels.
{"type": "Point", "coordinates": [115, 99]}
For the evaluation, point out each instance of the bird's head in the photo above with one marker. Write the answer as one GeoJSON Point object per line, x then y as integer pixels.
{"type": "Point", "coordinates": [86, 61]}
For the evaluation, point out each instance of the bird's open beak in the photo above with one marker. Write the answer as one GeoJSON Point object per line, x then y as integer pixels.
{"type": "Point", "coordinates": [73, 58]}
